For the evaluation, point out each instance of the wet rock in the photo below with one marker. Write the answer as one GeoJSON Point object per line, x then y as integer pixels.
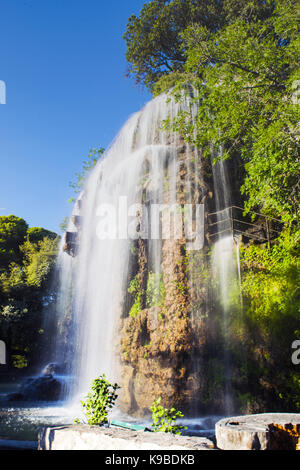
{"type": "Point", "coordinates": [53, 368]}
{"type": "Point", "coordinates": [15, 396]}
{"type": "Point", "coordinates": [44, 388]}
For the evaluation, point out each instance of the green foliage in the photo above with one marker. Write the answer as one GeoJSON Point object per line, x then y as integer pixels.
{"type": "Point", "coordinates": [37, 234]}
{"type": "Point", "coordinates": [136, 307]}
{"type": "Point", "coordinates": [243, 60]}
{"type": "Point", "coordinates": [156, 291]}
{"type": "Point", "coordinates": [64, 224]}
{"type": "Point", "coordinates": [100, 401]}
{"type": "Point", "coordinates": [77, 185]}
{"type": "Point", "coordinates": [39, 258]}
{"type": "Point", "coordinates": [135, 290]}
{"type": "Point", "coordinates": [164, 419]}
{"type": "Point", "coordinates": [26, 264]}
{"type": "Point", "coordinates": [272, 278]}
{"type": "Point", "coordinates": [13, 231]}
{"type": "Point", "coordinates": [271, 301]}
{"type": "Point", "coordinates": [88, 165]}
{"type": "Point", "coordinates": [155, 46]}
{"type": "Point", "coordinates": [245, 77]}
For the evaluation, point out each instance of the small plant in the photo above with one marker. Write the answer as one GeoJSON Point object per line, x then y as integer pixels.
{"type": "Point", "coordinates": [163, 419]}
{"type": "Point", "coordinates": [134, 288]}
{"type": "Point", "coordinates": [99, 401]}
{"type": "Point", "coordinates": [156, 291]}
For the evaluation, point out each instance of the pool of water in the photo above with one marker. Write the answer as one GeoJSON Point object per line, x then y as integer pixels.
{"type": "Point", "coordinates": [21, 422]}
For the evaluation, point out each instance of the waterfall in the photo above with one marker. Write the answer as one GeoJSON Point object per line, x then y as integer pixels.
{"type": "Point", "coordinates": [121, 250]}
{"type": "Point", "coordinates": [225, 263]}
{"type": "Point", "coordinates": [100, 271]}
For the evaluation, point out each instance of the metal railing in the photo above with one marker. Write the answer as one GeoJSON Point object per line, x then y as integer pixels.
{"type": "Point", "coordinates": [232, 220]}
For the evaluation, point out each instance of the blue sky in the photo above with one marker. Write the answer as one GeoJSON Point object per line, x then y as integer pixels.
{"type": "Point", "coordinates": [63, 63]}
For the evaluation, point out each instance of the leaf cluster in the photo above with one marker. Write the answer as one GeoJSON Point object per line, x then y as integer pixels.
{"type": "Point", "coordinates": [164, 419]}
{"type": "Point", "coordinates": [100, 400]}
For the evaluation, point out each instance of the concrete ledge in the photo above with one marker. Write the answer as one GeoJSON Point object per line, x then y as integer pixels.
{"type": "Point", "coordinates": [267, 431]}
{"type": "Point", "coordinates": [84, 437]}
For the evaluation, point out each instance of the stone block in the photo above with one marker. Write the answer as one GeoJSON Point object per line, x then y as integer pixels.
{"type": "Point", "coordinates": [84, 437]}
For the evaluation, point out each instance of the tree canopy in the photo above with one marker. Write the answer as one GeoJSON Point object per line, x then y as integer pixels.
{"type": "Point", "coordinates": [246, 75]}
{"type": "Point", "coordinates": [155, 46]}
{"type": "Point", "coordinates": [27, 261]}
{"type": "Point", "coordinates": [13, 231]}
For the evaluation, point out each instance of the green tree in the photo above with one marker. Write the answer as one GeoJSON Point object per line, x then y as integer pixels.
{"type": "Point", "coordinates": [155, 47]}
{"type": "Point", "coordinates": [245, 75]}
{"type": "Point", "coordinates": [39, 259]}
{"type": "Point", "coordinates": [13, 231]}
{"type": "Point", "coordinates": [26, 288]}
{"type": "Point", "coordinates": [36, 234]}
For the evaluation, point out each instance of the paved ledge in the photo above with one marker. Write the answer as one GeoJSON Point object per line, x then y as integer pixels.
{"type": "Point", "coordinates": [84, 437]}
{"type": "Point", "coordinates": [267, 431]}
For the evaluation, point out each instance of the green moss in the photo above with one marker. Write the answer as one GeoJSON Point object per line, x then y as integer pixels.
{"type": "Point", "coordinates": [156, 291]}
{"type": "Point", "coordinates": [136, 307]}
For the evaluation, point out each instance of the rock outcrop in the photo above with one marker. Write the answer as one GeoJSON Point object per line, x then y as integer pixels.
{"type": "Point", "coordinates": [83, 437]}
{"type": "Point", "coordinates": [43, 388]}
{"type": "Point", "coordinates": [267, 431]}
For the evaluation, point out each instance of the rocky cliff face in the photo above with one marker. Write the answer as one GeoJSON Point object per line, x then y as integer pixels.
{"type": "Point", "coordinates": [164, 343]}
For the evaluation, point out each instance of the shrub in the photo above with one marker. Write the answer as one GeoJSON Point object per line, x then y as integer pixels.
{"type": "Point", "coordinates": [163, 419]}
{"type": "Point", "coordinates": [99, 401]}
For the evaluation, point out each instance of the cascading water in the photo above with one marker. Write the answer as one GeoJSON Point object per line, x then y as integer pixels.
{"type": "Point", "coordinates": [225, 262]}
{"type": "Point", "coordinates": [144, 167]}
{"type": "Point", "coordinates": [102, 264]}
